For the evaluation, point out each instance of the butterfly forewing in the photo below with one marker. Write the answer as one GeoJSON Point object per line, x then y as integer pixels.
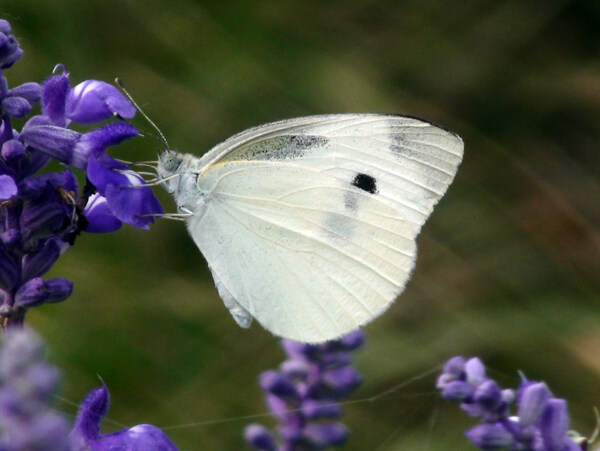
{"type": "Point", "coordinates": [412, 161]}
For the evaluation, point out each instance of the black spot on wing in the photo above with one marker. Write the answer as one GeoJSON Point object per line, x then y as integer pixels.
{"type": "Point", "coordinates": [365, 182]}
{"type": "Point", "coordinates": [284, 147]}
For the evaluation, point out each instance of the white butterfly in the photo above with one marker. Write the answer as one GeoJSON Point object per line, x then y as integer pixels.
{"type": "Point", "coordinates": [309, 224]}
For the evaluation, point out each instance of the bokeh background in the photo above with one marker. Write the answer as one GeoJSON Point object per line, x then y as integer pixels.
{"type": "Point", "coordinates": [509, 263]}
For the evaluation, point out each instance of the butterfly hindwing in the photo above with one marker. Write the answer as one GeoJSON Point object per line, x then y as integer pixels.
{"type": "Point", "coordinates": [311, 258]}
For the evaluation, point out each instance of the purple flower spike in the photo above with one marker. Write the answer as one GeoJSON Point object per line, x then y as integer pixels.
{"type": "Point", "coordinates": [95, 101]}
{"type": "Point", "coordinates": [303, 395]}
{"type": "Point", "coordinates": [542, 421]}
{"type": "Point", "coordinates": [86, 431]}
{"type": "Point", "coordinates": [27, 388]}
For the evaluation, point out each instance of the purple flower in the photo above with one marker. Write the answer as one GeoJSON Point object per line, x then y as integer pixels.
{"type": "Point", "coordinates": [541, 422]}
{"type": "Point", "coordinates": [10, 51]}
{"type": "Point", "coordinates": [95, 101]}
{"type": "Point", "coordinates": [41, 215]}
{"type": "Point", "coordinates": [126, 197]}
{"type": "Point", "coordinates": [89, 102]}
{"type": "Point", "coordinates": [37, 291]}
{"type": "Point", "coordinates": [259, 437]}
{"type": "Point", "coordinates": [99, 215]}
{"type": "Point", "coordinates": [28, 386]}
{"type": "Point", "coordinates": [19, 101]}
{"type": "Point", "coordinates": [86, 435]}
{"type": "Point", "coordinates": [303, 395]}
{"type": "Point", "coordinates": [50, 209]}
{"type": "Point", "coordinates": [28, 421]}
{"type": "Point", "coordinates": [71, 147]}
{"type": "Point", "coordinates": [490, 436]}
{"type": "Point", "coordinates": [8, 187]}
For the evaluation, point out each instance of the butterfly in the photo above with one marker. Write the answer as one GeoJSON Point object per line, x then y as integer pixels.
{"type": "Point", "coordinates": [309, 224]}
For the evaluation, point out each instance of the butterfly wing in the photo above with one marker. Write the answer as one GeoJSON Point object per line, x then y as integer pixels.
{"type": "Point", "coordinates": [309, 224]}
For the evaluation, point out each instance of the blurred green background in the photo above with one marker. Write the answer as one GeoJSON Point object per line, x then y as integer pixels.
{"type": "Point", "coordinates": [509, 263]}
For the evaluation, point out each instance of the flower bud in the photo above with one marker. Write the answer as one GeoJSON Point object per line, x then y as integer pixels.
{"type": "Point", "coordinates": [259, 438]}
{"type": "Point", "coordinates": [58, 142]}
{"type": "Point", "coordinates": [342, 380]}
{"type": "Point", "coordinates": [273, 382]}
{"type": "Point", "coordinates": [532, 403]}
{"type": "Point", "coordinates": [15, 106]}
{"type": "Point", "coordinates": [555, 424]}
{"type": "Point", "coordinates": [10, 51]}
{"type": "Point", "coordinates": [352, 341]}
{"type": "Point", "coordinates": [475, 371]}
{"type": "Point", "coordinates": [8, 187]}
{"type": "Point", "coordinates": [37, 291]}
{"type": "Point", "coordinates": [12, 151]}
{"type": "Point", "coordinates": [36, 264]}
{"type": "Point", "coordinates": [490, 436]}
{"type": "Point", "coordinates": [31, 91]}
{"type": "Point", "coordinates": [323, 435]}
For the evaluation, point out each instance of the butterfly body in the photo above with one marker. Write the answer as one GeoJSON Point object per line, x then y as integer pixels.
{"type": "Point", "coordinates": [309, 224]}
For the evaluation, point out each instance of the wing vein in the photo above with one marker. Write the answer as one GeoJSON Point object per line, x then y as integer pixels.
{"type": "Point", "coordinates": [350, 257]}
{"type": "Point", "coordinates": [325, 243]}
{"type": "Point", "coordinates": [295, 206]}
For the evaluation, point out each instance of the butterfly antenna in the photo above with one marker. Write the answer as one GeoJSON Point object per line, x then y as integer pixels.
{"type": "Point", "coordinates": [154, 126]}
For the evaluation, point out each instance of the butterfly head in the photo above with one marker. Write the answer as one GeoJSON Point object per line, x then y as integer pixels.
{"type": "Point", "coordinates": [169, 164]}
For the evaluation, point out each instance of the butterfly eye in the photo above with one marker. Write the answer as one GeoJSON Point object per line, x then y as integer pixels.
{"type": "Point", "coordinates": [169, 161]}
